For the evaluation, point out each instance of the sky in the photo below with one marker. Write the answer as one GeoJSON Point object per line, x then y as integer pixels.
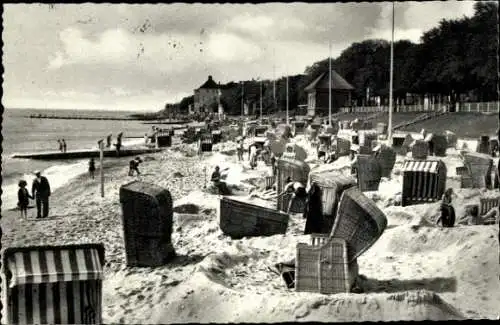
{"type": "Point", "coordinates": [139, 57]}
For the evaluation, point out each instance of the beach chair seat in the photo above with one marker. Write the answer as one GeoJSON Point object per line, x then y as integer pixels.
{"type": "Point", "coordinates": [323, 266]}
{"type": "Point", "coordinates": [488, 203]}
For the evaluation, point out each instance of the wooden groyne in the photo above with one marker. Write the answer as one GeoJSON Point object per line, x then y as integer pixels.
{"type": "Point", "coordinates": [100, 118]}
{"type": "Point", "coordinates": [88, 153]}
{"type": "Point", "coordinates": [166, 122]}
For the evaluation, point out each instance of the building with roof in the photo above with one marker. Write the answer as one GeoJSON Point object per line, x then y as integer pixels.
{"type": "Point", "coordinates": [318, 94]}
{"type": "Point", "coordinates": [206, 97]}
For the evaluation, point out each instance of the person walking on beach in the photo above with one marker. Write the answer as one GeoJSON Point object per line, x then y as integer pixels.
{"type": "Point", "coordinates": [63, 145]}
{"type": "Point", "coordinates": [92, 167]}
{"type": "Point", "coordinates": [23, 197]}
{"type": "Point", "coordinates": [134, 166]}
{"type": "Point", "coordinates": [41, 191]}
{"type": "Point", "coordinates": [60, 145]}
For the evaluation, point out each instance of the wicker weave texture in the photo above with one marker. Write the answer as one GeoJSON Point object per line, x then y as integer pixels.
{"type": "Point", "coordinates": [359, 222]}
{"type": "Point", "coordinates": [420, 149]}
{"type": "Point", "coordinates": [480, 166]}
{"type": "Point", "coordinates": [147, 216]}
{"type": "Point", "coordinates": [386, 159]}
{"type": "Point", "coordinates": [343, 147]}
{"type": "Point", "coordinates": [369, 173]}
{"type": "Point", "coordinates": [239, 219]}
{"type": "Point", "coordinates": [332, 184]}
{"type": "Point", "coordinates": [440, 145]}
{"type": "Point", "coordinates": [323, 269]}
{"type": "Point", "coordinates": [488, 203]}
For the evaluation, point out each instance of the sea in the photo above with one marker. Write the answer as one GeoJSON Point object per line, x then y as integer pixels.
{"type": "Point", "coordinates": [22, 134]}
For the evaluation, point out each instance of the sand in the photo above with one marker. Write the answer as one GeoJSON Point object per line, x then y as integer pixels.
{"type": "Point", "coordinates": [415, 271]}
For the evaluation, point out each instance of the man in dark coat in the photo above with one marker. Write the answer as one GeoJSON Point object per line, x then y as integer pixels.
{"type": "Point", "coordinates": [41, 191]}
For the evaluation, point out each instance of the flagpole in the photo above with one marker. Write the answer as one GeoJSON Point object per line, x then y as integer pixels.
{"type": "Point", "coordinates": [287, 117]}
{"type": "Point", "coordinates": [330, 83]}
{"type": "Point", "coordinates": [261, 99]}
{"type": "Point", "coordinates": [242, 98]}
{"type": "Point", "coordinates": [389, 129]}
{"type": "Point", "coordinates": [274, 80]}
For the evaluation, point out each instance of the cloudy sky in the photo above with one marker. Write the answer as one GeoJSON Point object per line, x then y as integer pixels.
{"type": "Point", "coordinates": [138, 57]}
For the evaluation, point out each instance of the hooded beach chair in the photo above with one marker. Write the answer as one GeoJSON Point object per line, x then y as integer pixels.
{"type": "Point", "coordinates": [53, 284]}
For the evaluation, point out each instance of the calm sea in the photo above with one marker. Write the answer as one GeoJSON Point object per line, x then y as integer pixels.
{"type": "Point", "coordinates": [22, 135]}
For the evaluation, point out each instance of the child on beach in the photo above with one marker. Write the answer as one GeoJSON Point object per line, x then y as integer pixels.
{"type": "Point", "coordinates": [92, 167]}
{"type": "Point", "coordinates": [134, 166]}
{"type": "Point", "coordinates": [24, 198]}
{"type": "Point", "coordinates": [63, 145]}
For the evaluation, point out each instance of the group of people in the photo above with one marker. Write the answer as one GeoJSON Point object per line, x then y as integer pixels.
{"type": "Point", "coordinates": [62, 145]}
{"type": "Point", "coordinates": [40, 192]}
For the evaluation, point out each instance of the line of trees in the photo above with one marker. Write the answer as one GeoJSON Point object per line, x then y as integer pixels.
{"type": "Point", "coordinates": [458, 58]}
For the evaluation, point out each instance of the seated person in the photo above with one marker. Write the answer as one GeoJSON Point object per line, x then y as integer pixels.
{"type": "Point", "coordinates": [296, 189]}
{"type": "Point", "coordinates": [447, 217]}
{"type": "Point", "coordinates": [472, 216]}
{"type": "Point", "coordinates": [218, 183]}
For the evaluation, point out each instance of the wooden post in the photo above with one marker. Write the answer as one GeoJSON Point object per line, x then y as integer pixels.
{"type": "Point", "coordinates": [101, 158]}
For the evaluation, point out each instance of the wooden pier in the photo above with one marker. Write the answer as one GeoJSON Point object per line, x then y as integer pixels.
{"type": "Point", "coordinates": [88, 153]}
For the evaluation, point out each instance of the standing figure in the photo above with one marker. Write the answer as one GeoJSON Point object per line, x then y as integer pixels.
{"type": "Point", "coordinates": [313, 211]}
{"type": "Point", "coordinates": [60, 145]}
{"type": "Point", "coordinates": [447, 217]}
{"type": "Point", "coordinates": [354, 161]}
{"type": "Point", "coordinates": [108, 141]}
{"type": "Point", "coordinates": [92, 167]}
{"type": "Point", "coordinates": [253, 156]}
{"type": "Point", "coordinates": [41, 191]}
{"type": "Point", "coordinates": [23, 197]}
{"type": "Point", "coordinates": [64, 145]}
{"type": "Point", "coordinates": [118, 145]}
{"type": "Point", "coordinates": [239, 150]}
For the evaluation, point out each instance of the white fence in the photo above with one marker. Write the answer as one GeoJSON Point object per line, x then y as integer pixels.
{"type": "Point", "coordinates": [485, 107]}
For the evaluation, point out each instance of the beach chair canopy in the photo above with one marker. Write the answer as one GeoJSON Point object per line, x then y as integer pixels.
{"type": "Point", "coordinates": [428, 166]}
{"type": "Point", "coordinates": [45, 264]}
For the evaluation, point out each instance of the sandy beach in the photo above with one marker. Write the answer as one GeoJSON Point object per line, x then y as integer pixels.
{"type": "Point", "coordinates": [415, 271]}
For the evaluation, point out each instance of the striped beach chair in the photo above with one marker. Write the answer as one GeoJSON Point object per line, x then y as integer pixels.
{"type": "Point", "coordinates": [424, 181]}
{"type": "Point", "coordinates": [488, 203]}
{"type": "Point", "coordinates": [54, 284]}
{"type": "Point", "coordinates": [270, 180]}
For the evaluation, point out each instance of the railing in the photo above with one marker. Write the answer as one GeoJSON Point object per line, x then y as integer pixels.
{"type": "Point", "coordinates": [483, 107]}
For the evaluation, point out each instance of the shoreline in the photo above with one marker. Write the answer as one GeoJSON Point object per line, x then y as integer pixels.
{"type": "Point", "coordinates": [187, 290]}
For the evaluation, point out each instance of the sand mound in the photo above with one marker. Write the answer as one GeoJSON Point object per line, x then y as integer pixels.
{"type": "Point", "coordinates": [202, 300]}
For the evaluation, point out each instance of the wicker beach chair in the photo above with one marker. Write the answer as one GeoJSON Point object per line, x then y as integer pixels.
{"type": "Point", "coordinates": [369, 172]}
{"type": "Point", "coordinates": [420, 149]}
{"type": "Point", "coordinates": [323, 266]}
{"type": "Point", "coordinates": [331, 185]}
{"type": "Point", "coordinates": [386, 158]}
{"type": "Point", "coordinates": [147, 215]}
{"type": "Point", "coordinates": [488, 203]}
{"type": "Point", "coordinates": [439, 145]}
{"type": "Point", "coordinates": [479, 166]}
{"type": "Point", "coordinates": [424, 181]}
{"type": "Point", "coordinates": [239, 219]}
{"type": "Point", "coordinates": [359, 222]}
{"type": "Point", "coordinates": [297, 171]}
{"type": "Point", "coordinates": [483, 145]}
